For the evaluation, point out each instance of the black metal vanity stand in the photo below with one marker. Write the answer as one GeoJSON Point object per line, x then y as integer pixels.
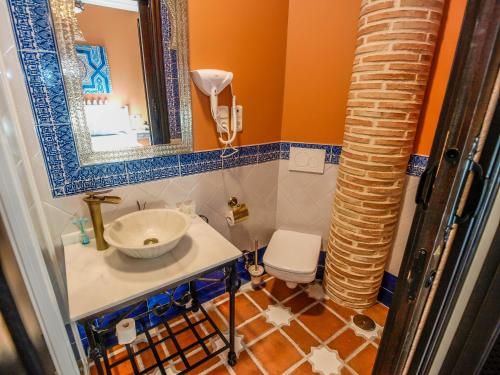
{"type": "Point", "coordinates": [188, 302]}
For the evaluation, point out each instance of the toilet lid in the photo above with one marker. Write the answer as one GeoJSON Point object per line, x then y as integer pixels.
{"type": "Point", "coordinates": [293, 251]}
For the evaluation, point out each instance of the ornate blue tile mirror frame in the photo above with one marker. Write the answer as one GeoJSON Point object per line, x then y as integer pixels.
{"type": "Point", "coordinates": [45, 35]}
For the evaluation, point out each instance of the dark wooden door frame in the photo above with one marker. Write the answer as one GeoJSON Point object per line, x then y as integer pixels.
{"type": "Point", "coordinates": [477, 209]}
{"type": "Point", "coordinates": [480, 323]}
{"type": "Point", "coordinates": [470, 87]}
{"type": "Point", "coordinates": [152, 54]}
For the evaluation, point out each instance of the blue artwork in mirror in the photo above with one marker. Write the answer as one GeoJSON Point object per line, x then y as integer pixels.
{"type": "Point", "coordinates": [95, 68]}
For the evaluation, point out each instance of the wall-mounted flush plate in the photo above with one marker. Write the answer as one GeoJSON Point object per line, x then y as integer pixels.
{"type": "Point", "coordinates": [307, 160]}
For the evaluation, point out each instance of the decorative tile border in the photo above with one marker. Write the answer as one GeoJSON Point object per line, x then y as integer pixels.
{"type": "Point", "coordinates": [387, 288]}
{"type": "Point", "coordinates": [417, 165]}
{"type": "Point", "coordinates": [38, 54]}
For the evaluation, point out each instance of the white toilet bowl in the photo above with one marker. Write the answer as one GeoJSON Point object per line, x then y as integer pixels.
{"type": "Point", "coordinates": [292, 257]}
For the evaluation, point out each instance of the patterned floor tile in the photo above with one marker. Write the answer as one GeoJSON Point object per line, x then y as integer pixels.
{"type": "Point", "coordinates": [300, 336]}
{"type": "Point", "coordinates": [304, 369]}
{"type": "Point", "coordinates": [363, 362]}
{"type": "Point", "coordinates": [194, 358]}
{"type": "Point", "coordinates": [184, 339]}
{"type": "Point", "coordinates": [261, 298]}
{"type": "Point", "coordinates": [246, 365]}
{"type": "Point", "coordinates": [275, 353]}
{"type": "Point", "coordinates": [346, 343]}
{"type": "Point", "coordinates": [221, 370]}
{"type": "Point", "coordinates": [278, 315]}
{"type": "Point", "coordinates": [257, 327]}
{"type": "Point", "coordinates": [279, 289]}
{"type": "Point", "coordinates": [246, 309]}
{"type": "Point", "coordinates": [368, 335]}
{"type": "Point", "coordinates": [238, 343]}
{"type": "Point", "coordinates": [316, 291]}
{"type": "Point", "coordinates": [303, 317]}
{"type": "Point", "coordinates": [325, 361]}
{"type": "Point", "coordinates": [321, 321]}
{"type": "Point", "coordinates": [299, 302]}
{"type": "Point", "coordinates": [378, 313]}
{"type": "Point", "coordinates": [344, 312]}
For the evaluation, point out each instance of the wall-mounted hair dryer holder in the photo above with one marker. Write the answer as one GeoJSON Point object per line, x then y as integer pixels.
{"type": "Point", "coordinates": [212, 82]}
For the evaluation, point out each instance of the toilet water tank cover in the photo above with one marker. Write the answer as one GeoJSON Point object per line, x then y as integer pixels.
{"type": "Point", "coordinates": [293, 251]}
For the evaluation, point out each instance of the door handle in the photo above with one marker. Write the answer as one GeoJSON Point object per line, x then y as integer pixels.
{"type": "Point", "coordinates": [425, 185]}
{"type": "Point", "coordinates": [416, 273]}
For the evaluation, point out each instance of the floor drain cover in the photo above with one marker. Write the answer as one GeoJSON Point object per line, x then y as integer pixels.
{"type": "Point", "coordinates": [364, 322]}
{"type": "Point", "coordinates": [150, 241]}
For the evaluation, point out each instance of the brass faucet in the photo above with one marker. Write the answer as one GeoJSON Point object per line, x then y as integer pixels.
{"type": "Point", "coordinates": [94, 201]}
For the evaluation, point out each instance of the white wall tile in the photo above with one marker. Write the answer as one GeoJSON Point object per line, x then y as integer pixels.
{"type": "Point", "coordinates": [305, 200]}
{"type": "Point", "coordinates": [408, 207]}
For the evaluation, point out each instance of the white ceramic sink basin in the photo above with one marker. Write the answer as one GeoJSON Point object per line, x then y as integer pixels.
{"type": "Point", "coordinates": [147, 233]}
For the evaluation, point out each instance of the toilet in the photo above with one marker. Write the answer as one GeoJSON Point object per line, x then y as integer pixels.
{"type": "Point", "coordinates": [292, 257]}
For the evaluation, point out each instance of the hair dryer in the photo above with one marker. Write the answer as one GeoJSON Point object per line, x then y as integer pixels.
{"type": "Point", "coordinates": [212, 82]}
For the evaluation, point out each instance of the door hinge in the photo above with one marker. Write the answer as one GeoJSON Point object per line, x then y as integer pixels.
{"type": "Point", "coordinates": [416, 273]}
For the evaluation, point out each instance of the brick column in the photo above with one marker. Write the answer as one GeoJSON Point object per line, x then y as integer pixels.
{"type": "Point", "coordinates": [396, 41]}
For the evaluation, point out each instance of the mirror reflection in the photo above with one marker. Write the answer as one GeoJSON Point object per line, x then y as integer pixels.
{"type": "Point", "coordinates": [109, 54]}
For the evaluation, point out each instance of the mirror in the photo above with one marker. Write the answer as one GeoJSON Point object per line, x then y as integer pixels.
{"type": "Point", "coordinates": [125, 68]}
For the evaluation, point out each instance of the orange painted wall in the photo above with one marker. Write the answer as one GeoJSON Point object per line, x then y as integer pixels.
{"type": "Point", "coordinates": [321, 44]}
{"type": "Point", "coordinates": [249, 39]}
{"type": "Point", "coordinates": [443, 61]}
{"type": "Point", "coordinates": [116, 30]}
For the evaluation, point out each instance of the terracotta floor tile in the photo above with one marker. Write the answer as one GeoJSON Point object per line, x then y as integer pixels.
{"type": "Point", "coordinates": [299, 302]}
{"type": "Point", "coordinates": [261, 297]}
{"type": "Point", "coordinates": [205, 366]}
{"type": "Point", "coordinates": [245, 365]}
{"type": "Point", "coordinates": [321, 321]}
{"type": "Point", "coordinates": [301, 337]}
{"type": "Point", "coordinates": [148, 357]}
{"type": "Point", "coordinates": [219, 322]}
{"type": "Point", "coordinates": [279, 289]}
{"type": "Point", "coordinates": [346, 343]}
{"type": "Point", "coordinates": [363, 362]}
{"type": "Point", "coordinates": [304, 369]}
{"type": "Point", "coordinates": [378, 313]}
{"type": "Point", "coordinates": [245, 309]}
{"type": "Point", "coordinates": [254, 329]}
{"type": "Point", "coordinates": [220, 298]}
{"type": "Point", "coordinates": [275, 353]}
{"type": "Point", "coordinates": [344, 312]}
{"type": "Point", "coordinates": [124, 368]}
{"type": "Point", "coordinates": [184, 339]}
{"type": "Point", "coordinates": [221, 370]}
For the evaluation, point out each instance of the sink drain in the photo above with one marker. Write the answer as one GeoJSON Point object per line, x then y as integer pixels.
{"type": "Point", "coordinates": [150, 241]}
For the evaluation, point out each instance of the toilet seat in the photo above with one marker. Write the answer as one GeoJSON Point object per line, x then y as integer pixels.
{"type": "Point", "coordinates": [293, 256]}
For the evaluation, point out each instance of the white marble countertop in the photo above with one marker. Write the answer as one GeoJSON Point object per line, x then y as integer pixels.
{"type": "Point", "coordinates": [99, 280]}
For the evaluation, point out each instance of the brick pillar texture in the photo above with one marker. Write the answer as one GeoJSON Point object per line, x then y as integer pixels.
{"type": "Point", "coordinates": [395, 46]}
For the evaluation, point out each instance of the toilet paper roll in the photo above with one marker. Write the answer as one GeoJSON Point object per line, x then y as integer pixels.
{"type": "Point", "coordinates": [125, 331]}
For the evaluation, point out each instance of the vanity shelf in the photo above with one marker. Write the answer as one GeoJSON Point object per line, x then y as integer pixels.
{"type": "Point", "coordinates": [171, 333]}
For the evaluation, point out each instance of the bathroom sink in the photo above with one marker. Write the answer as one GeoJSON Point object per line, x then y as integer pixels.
{"type": "Point", "coordinates": [147, 233]}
